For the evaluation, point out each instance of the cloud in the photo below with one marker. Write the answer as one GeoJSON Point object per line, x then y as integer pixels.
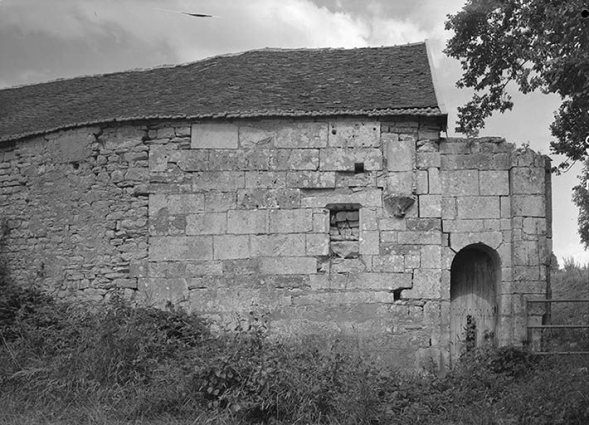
{"type": "Point", "coordinates": [106, 24]}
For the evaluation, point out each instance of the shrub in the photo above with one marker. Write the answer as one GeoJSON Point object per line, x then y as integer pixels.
{"type": "Point", "coordinates": [114, 363]}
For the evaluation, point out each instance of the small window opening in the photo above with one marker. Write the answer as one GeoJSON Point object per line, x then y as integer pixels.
{"type": "Point", "coordinates": [344, 230]}
{"type": "Point", "coordinates": [344, 225]}
{"type": "Point", "coordinates": [397, 295]}
{"type": "Point", "coordinates": [358, 168]}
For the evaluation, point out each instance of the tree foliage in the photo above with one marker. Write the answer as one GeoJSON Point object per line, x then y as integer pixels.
{"type": "Point", "coordinates": [536, 45]}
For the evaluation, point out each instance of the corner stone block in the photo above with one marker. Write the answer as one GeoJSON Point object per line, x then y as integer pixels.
{"type": "Point", "coordinates": [400, 155]}
{"type": "Point", "coordinates": [392, 223]}
{"type": "Point", "coordinates": [428, 160]}
{"type": "Point", "coordinates": [122, 137]}
{"type": "Point", "coordinates": [379, 281]}
{"type": "Point", "coordinates": [302, 135]}
{"type": "Point", "coordinates": [321, 220]}
{"type": "Point", "coordinates": [231, 247]}
{"type": "Point", "coordinates": [420, 238]}
{"type": "Point", "coordinates": [294, 159]}
{"type": "Point", "coordinates": [190, 160]}
{"type": "Point", "coordinates": [505, 254]}
{"type": "Point", "coordinates": [478, 207]}
{"type": "Point", "coordinates": [368, 219]}
{"type": "Point", "coordinates": [236, 300]}
{"type": "Point", "coordinates": [158, 292]}
{"type": "Point", "coordinates": [434, 181]}
{"type": "Point", "coordinates": [231, 159]}
{"type": "Point", "coordinates": [310, 179]}
{"type": "Point", "coordinates": [257, 136]}
{"type": "Point", "coordinates": [288, 265]}
{"type": "Point", "coordinates": [164, 224]}
{"type": "Point", "coordinates": [206, 224]}
{"type": "Point", "coordinates": [426, 285]}
{"type": "Point", "coordinates": [528, 181]}
{"type": "Point", "coordinates": [354, 134]}
{"type": "Point", "coordinates": [265, 179]}
{"type": "Point", "coordinates": [247, 221]}
{"type": "Point", "coordinates": [505, 207]}
{"type": "Point", "coordinates": [400, 183]}
{"type": "Point", "coordinates": [526, 253]}
{"type": "Point", "coordinates": [169, 248]}
{"type": "Point", "coordinates": [390, 263]}
{"type": "Point", "coordinates": [460, 182]}
{"type": "Point", "coordinates": [430, 206]}
{"type": "Point", "coordinates": [339, 298]}
{"type": "Point", "coordinates": [366, 198]}
{"type": "Point", "coordinates": [72, 146]}
{"type": "Point", "coordinates": [317, 244]}
{"type": "Point", "coordinates": [176, 204]}
{"type": "Point", "coordinates": [203, 268]}
{"type": "Point", "coordinates": [280, 245]}
{"type": "Point", "coordinates": [214, 136]}
{"type": "Point", "coordinates": [537, 287]}
{"type": "Point", "coordinates": [139, 268]}
{"type": "Point", "coordinates": [461, 240]}
{"type": "Point", "coordinates": [494, 182]}
{"type": "Point", "coordinates": [431, 257]}
{"type": "Point", "coordinates": [462, 226]}
{"type": "Point", "coordinates": [291, 221]}
{"type": "Point", "coordinates": [529, 205]}
{"type": "Point", "coordinates": [158, 158]}
{"type": "Point", "coordinates": [369, 243]}
{"type": "Point", "coordinates": [268, 198]}
{"type": "Point", "coordinates": [422, 184]}
{"type": "Point", "coordinates": [344, 159]}
{"type": "Point", "coordinates": [449, 208]}
{"type": "Point", "coordinates": [218, 180]}
{"type": "Point", "coordinates": [220, 201]}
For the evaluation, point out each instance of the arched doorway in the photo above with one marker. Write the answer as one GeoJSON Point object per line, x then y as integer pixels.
{"type": "Point", "coordinates": [475, 273]}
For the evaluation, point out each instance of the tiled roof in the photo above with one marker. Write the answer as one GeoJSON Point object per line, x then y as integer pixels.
{"type": "Point", "coordinates": [261, 83]}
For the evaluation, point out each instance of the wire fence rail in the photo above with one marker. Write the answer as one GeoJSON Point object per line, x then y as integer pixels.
{"type": "Point", "coordinates": [541, 339]}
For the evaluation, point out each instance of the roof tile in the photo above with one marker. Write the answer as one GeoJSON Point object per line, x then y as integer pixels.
{"type": "Point", "coordinates": [261, 83]}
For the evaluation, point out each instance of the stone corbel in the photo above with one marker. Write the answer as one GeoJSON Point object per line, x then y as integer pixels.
{"type": "Point", "coordinates": [398, 205]}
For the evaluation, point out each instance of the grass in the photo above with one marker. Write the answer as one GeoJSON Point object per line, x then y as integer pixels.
{"type": "Point", "coordinates": [115, 364]}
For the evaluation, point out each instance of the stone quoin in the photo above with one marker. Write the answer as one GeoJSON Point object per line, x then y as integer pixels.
{"type": "Point", "coordinates": [308, 185]}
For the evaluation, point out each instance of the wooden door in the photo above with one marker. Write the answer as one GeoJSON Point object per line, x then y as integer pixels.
{"type": "Point", "coordinates": [473, 305]}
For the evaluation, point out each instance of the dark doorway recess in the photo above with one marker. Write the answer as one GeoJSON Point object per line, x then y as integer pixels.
{"type": "Point", "coordinates": [475, 274]}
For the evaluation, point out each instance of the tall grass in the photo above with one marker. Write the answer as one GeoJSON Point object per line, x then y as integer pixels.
{"type": "Point", "coordinates": [115, 364]}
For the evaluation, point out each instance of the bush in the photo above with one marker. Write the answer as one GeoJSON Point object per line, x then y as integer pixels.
{"type": "Point", "coordinates": [261, 380]}
{"type": "Point", "coordinates": [114, 363]}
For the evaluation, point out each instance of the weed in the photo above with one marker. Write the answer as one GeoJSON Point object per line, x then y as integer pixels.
{"type": "Point", "coordinates": [117, 364]}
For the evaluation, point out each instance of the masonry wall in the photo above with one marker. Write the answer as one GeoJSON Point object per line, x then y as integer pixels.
{"type": "Point", "coordinates": [225, 218]}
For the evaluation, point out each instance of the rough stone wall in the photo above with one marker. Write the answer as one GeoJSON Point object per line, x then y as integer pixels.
{"type": "Point", "coordinates": [499, 196]}
{"type": "Point", "coordinates": [225, 218]}
{"type": "Point", "coordinates": [240, 221]}
{"type": "Point", "coordinates": [73, 212]}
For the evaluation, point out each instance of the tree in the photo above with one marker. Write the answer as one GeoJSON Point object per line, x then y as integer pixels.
{"type": "Point", "coordinates": [535, 45]}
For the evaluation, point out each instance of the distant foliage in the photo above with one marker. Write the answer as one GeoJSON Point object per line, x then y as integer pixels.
{"type": "Point", "coordinates": [570, 282]}
{"type": "Point", "coordinates": [535, 45]}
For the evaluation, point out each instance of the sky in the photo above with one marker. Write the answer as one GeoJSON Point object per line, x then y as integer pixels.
{"type": "Point", "coordinates": [43, 40]}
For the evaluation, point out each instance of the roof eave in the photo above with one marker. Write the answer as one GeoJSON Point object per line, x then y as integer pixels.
{"type": "Point", "coordinates": [397, 112]}
{"type": "Point", "coordinates": [436, 85]}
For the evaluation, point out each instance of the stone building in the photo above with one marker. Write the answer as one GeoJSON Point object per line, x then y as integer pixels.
{"type": "Point", "coordinates": [311, 186]}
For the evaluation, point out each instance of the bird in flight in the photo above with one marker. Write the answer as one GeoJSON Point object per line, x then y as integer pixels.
{"type": "Point", "coordinates": [194, 15]}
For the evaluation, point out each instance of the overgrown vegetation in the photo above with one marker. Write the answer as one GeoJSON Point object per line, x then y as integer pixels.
{"type": "Point", "coordinates": [569, 282]}
{"type": "Point", "coordinates": [114, 364]}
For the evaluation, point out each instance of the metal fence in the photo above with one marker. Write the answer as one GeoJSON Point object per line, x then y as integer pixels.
{"type": "Point", "coordinates": [542, 335]}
